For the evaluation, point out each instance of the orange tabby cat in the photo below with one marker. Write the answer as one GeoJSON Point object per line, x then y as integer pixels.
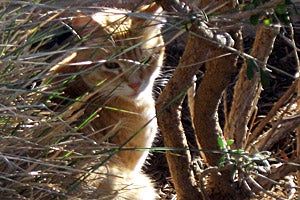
{"type": "Point", "coordinates": [120, 57]}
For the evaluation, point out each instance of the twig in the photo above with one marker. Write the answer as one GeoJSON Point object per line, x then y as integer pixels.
{"type": "Point", "coordinates": [259, 187]}
{"type": "Point", "coordinates": [283, 100]}
{"type": "Point", "coordinates": [278, 173]}
{"type": "Point", "coordinates": [277, 132]}
{"type": "Point", "coordinates": [247, 14]}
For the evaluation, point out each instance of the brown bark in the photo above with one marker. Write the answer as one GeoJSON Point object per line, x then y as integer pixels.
{"type": "Point", "coordinates": [199, 44]}
{"type": "Point", "coordinates": [216, 78]}
{"type": "Point", "coordinates": [218, 72]}
{"type": "Point", "coordinates": [168, 114]}
{"type": "Point", "coordinates": [247, 92]}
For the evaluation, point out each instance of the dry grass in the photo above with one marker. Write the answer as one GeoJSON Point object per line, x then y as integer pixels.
{"type": "Point", "coordinates": [41, 149]}
{"type": "Point", "coordinates": [42, 153]}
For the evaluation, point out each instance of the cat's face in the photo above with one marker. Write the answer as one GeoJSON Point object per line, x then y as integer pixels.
{"type": "Point", "coordinates": [125, 52]}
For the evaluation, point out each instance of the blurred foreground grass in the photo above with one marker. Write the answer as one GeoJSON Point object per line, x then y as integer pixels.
{"type": "Point", "coordinates": [42, 153]}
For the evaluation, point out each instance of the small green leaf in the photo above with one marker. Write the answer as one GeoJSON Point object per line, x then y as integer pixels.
{"type": "Point", "coordinates": [257, 2]}
{"type": "Point", "coordinates": [265, 78]}
{"type": "Point", "coordinates": [249, 168]}
{"type": "Point", "coordinates": [242, 5]}
{"type": "Point", "coordinates": [238, 151]}
{"type": "Point", "coordinates": [281, 9]}
{"type": "Point", "coordinates": [221, 143]}
{"type": "Point", "coordinates": [252, 67]}
{"type": "Point", "coordinates": [230, 142]}
{"type": "Point", "coordinates": [254, 19]}
{"type": "Point", "coordinates": [284, 18]}
{"type": "Point", "coordinates": [267, 21]}
{"type": "Point", "coordinates": [221, 161]}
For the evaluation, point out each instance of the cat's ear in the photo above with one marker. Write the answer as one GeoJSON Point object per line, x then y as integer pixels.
{"type": "Point", "coordinates": [151, 8]}
{"type": "Point", "coordinates": [98, 23]}
{"type": "Point", "coordinates": [149, 13]}
{"type": "Point", "coordinates": [80, 20]}
{"type": "Point", "coordinates": [84, 25]}
{"type": "Point", "coordinates": [149, 20]}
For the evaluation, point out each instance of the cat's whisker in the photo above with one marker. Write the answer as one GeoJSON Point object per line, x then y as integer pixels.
{"type": "Point", "coordinates": [116, 64]}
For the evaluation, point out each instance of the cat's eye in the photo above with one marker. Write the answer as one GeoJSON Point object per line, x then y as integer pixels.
{"type": "Point", "coordinates": [112, 66]}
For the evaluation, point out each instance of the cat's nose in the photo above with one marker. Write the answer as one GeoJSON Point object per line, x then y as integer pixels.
{"type": "Point", "coordinates": [135, 86]}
